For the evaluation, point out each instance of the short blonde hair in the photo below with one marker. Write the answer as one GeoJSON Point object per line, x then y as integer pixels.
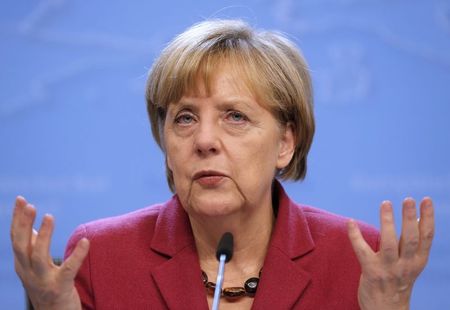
{"type": "Point", "coordinates": [271, 65]}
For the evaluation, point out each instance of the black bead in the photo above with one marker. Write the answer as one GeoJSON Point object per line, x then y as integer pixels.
{"type": "Point", "coordinates": [204, 277]}
{"type": "Point", "coordinates": [251, 285]}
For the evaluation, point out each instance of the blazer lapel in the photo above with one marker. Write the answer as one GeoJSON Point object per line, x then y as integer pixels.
{"type": "Point", "coordinates": [179, 277]}
{"type": "Point", "coordinates": [283, 281]}
{"type": "Point", "coordinates": [179, 281]}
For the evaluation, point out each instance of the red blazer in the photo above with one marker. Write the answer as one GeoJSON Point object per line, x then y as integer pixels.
{"type": "Point", "coordinates": [147, 260]}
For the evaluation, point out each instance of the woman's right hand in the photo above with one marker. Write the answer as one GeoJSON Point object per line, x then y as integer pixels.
{"type": "Point", "coordinates": [48, 286]}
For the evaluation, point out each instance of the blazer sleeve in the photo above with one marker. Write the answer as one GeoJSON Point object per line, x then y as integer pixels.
{"type": "Point", "coordinates": [83, 281]}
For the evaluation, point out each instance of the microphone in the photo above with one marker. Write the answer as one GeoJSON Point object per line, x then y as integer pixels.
{"type": "Point", "coordinates": [225, 247]}
{"type": "Point", "coordinates": [224, 254]}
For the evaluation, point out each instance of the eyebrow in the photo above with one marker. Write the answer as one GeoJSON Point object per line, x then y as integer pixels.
{"type": "Point", "coordinates": [236, 101]}
{"type": "Point", "coordinates": [223, 105]}
{"type": "Point", "coordinates": [182, 105]}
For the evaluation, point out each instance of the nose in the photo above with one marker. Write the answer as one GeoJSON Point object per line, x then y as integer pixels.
{"type": "Point", "coordinates": [206, 139]}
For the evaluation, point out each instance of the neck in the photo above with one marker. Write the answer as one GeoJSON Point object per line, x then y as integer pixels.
{"type": "Point", "coordinates": [251, 230]}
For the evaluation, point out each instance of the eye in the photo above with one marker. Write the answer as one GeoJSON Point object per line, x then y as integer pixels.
{"type": "Point", "coordinates": [184, 119]}
{"type": "Point", "coordinates": [236, 116]}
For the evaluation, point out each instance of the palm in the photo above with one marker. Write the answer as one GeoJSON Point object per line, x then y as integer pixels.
{"type": "Point", "coordinates": [49, 286]}
{"type": "Point", "coordinates": [388, 275]}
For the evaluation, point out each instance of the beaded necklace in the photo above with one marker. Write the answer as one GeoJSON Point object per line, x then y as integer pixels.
{"type": "Point", "coordinates": [234, 292]}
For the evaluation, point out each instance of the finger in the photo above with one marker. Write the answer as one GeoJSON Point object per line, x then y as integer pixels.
{"type": "Point", "coordinates": [18, 214]}
{"type": "Point", "coordinates": [41, 259]}
{"type": "Point", "coordinates": [389, 244]}
{"type": "Point", "coordinates": [70, 266]}
{"type": "Point", "coordinates": [426, 227]}
{"type": "Point", "coordinates": [21, 231]}
{"type": "Point", "coordinates": [22, 272]}
{"type": "Point", "coordinates": [409, 239]}
{"type": "Point", "coordinates": [33, 237]}
{"type": "Point", "coordinates": [362, 250]}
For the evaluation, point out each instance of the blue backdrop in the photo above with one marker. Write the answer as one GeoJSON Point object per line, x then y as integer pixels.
{"type": "Point", "coordinates": [75, 139]}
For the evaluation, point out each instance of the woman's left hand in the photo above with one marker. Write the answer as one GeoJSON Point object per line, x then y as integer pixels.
{"type": "Point", "coordinates": [388, 276]}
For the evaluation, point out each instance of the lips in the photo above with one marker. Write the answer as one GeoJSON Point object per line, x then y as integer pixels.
{"type": "Point", "coordinates": [209, 178]}
{"type": "Point", "coordinates": [208, 173]}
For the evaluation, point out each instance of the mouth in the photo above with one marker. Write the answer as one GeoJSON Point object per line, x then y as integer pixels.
{"type": "Point", "coordinates": [209, 178]}
{"type": "Point", "coordinates": [208, 173]}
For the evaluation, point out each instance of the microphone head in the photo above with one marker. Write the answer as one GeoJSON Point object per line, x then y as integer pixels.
{"type": "Point", "coordinates": [225, 247]}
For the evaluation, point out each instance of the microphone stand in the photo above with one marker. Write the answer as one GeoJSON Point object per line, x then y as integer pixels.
{"type": "Point", "coordinates": [223, 254]}
{"type": "Point", "coordinates": [219, 282]}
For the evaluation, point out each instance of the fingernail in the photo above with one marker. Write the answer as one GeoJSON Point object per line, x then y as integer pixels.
{"type": "Point", "coordinates": [45, 219]}
{"type": "Point", "coordinates": [28, 209]}
{"type": "Point", "coordinates": [386, 205]}
{"type": "Point", "coordinates": [84, 242]}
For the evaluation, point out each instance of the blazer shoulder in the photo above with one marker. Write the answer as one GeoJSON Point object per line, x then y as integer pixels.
{"type": "Point", "coordinates": [138, 224]}
{"type": "Point", "coordinates": [331, 225]}
{"type": "Point", "coordinates": [131, 220]}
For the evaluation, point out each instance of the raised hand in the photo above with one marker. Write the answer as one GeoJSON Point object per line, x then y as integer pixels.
{"type": "Point", "coordinates": [48, 286]}
{"type": "Point", "coordinates": [388, 276]}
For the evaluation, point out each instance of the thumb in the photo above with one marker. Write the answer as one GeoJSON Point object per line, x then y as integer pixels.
{"type": "Point", "coordinates": [72, 264]}
{"type": "Point", "coordinates": [360, 247]}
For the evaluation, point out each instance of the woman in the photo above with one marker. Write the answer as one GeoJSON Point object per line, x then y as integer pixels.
{"type": "Point", "coordinates": [231, 108]}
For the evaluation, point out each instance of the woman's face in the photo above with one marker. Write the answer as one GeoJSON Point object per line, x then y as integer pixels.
{"type": "Point", "coordinates": [223, 150]}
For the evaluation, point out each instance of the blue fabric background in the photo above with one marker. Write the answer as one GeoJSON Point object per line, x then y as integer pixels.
{"type": "Point", "coordinates": [75, 139]}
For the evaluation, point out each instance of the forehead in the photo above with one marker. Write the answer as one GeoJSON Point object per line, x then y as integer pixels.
{"type": "Point", "coordinates": [212, 74]}
{"type": "Point", "coordinates": [226, 79]}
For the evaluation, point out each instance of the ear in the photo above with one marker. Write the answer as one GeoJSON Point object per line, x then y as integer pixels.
{"type": "Point", "coordinates": [287, 146]}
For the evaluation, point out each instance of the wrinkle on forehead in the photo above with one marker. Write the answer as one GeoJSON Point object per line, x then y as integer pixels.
{"type": "Point", "coordinates": [211, 76]}
{"type": "Point", "coordinates": [202, 79]}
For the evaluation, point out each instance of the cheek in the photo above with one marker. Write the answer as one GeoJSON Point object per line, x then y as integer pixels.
{"type": "Point", "coordinates": [171, 157]}
{"type": "Point", "coordinates": [171, 150]}
{"type": "Point", "coordinates": [258, 158]}
{"type": "Point", "coordinates": [177, 151]}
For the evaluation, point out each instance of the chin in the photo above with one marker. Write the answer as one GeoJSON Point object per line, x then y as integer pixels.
{"type": "Point", "coordinates": [215, 204]}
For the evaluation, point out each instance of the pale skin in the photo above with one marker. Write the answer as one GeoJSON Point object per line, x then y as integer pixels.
{"type": "Point", "coordinates": [48, 286]}
{"type": "Point", "coordinates": [388, 276]}
{"type": "Point", "coordinates": [205, 131]}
